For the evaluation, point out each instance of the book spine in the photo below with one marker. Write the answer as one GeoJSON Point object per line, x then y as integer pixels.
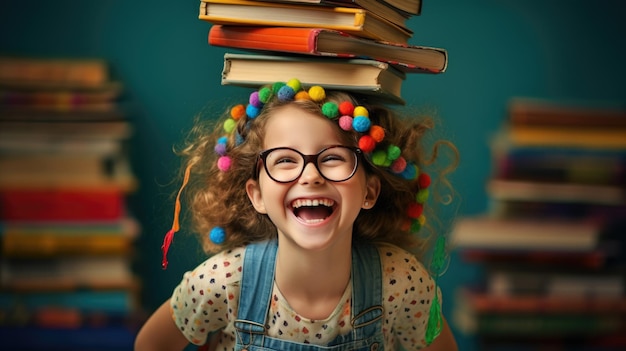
{"type": "Point", "coordinates": [42, 245]}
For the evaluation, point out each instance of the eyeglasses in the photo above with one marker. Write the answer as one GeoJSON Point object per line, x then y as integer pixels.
{"type": "Point", "coordinates": [336, 163]}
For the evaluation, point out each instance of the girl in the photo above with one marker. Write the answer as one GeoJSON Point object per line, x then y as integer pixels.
{"type": "Point", "coordinates": [307, 200]}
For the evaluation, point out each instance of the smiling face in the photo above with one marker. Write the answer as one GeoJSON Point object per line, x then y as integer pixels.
{"type": "Point", "coordinates": [310, 213]}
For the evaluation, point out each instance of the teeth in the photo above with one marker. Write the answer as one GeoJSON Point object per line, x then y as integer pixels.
{"type": "Point", "coordinates": [312, 202]}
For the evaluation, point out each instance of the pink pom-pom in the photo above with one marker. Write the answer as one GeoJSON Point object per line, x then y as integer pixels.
{"type": "Point", "coordinates": [345, 123]}
{"type": "Point", "coordinates": [224, 163]}
{"type": "Point", "coordinates": [367, 144]}
{"type": "Point", "coordinates": [423, 180]}
{"type": "Point", "coordinates": [399, 165]}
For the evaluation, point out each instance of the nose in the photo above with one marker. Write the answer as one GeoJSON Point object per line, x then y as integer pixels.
{"type": "Point", "coordinates": [310, 175]}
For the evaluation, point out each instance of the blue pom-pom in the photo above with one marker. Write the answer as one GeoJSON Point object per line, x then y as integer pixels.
{"type": "Point", "coordinates": [410, 172]}
{"type": "Point", "coordinates": [222, 140]}
{"type": "Point", "coordinates": [217, 235]}
{"type": "Point", "coordinates": [252, 111]}
{"type": "Point", "coordinates": [286, 93]}
{"type": "Point", "coordinates": [361, 124]}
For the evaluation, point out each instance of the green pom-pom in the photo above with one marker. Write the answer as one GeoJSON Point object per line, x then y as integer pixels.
{"type": "Point", "coordinates": [330, 110]}
{"type": "Point", "coordinates": [229, 125]}
{"type": "Point", "coordinates": [379, 158]}
{"type": "Point", "coordinates": [393, 152]}
{"type": "Point", "coordinates": [276, 86]}
{"type": "Point", "coordinates": [416, 225]}
{"type": "Point", "coordinates": [265, 94]}
{"type": "Point", "coordinates": [422, 195]}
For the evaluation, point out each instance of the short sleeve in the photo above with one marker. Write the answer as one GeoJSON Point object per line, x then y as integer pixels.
{"type": "Point", "coordinates": [206, 297]}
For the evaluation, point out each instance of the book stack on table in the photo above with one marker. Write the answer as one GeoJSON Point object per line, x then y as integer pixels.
{"type": "Point", "coordinates": [360, 46]}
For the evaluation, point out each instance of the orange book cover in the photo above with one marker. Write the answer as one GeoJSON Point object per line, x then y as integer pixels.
{"type": "Point", "coordinates": [328, 42]}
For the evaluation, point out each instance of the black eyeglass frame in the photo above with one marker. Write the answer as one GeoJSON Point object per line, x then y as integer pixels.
{"type": "Point", "coordinates": [358, 153]}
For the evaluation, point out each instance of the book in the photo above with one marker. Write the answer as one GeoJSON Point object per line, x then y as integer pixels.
{"type": "Point", "coordinates": [93, 338]}
{"type": "Point", "coordinates": [69, 273]}
{"type": "Point", "coordinates": [539, 112]}
{"type": "Point", "coordinates": [375, 79]}
{"type": "Point", "coordinates": [509, 234]}
{"type": "Point", "coordinates": [381, 8]}
{"type": "Point", "coordinates": [598, 137]}
{"type": "Point", "coordinates": [62, 204]}
{"type": "Point", "coordinates": [590, 260]}
{"type": "Point", "coordinates": [43, 71]}
{"type": "Point", "coordinates": [327, 42]}
{"type": "Point", "coordinates": [356, 21]}
{"type": "Point", "coordinates": [520, 190]}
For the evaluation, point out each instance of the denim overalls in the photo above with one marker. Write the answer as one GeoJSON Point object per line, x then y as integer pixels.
{"type": "Point", "coordinates": [256, 288]}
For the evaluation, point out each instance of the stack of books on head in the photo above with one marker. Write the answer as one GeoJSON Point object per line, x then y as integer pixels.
{"type": "Point", "coordinates": [355, 45]}
{"type": "Point", "coordinates": [66, 234]}
{"type": "Point", "coordinates": [552, 244]}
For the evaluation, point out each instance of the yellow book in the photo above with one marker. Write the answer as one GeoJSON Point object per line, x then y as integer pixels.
{"type": "Point", "coordinates": [355, 21]}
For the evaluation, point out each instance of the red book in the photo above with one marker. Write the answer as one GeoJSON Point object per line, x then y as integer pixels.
{"type": "Point", "coordinates": [61, 205]}
{"type": "Point", "coordinates": [327, 42]}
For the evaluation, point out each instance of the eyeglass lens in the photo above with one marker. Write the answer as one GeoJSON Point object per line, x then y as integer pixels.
{"type": "Point", "coordinates": [336, 163]}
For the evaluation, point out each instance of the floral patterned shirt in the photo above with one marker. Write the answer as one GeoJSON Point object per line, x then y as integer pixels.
{"type": "Point", "coordinates": [206, 302]}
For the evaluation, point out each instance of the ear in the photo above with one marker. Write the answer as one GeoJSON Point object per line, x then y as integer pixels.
{"type": "Point", "coordinates": [254, 194]}
{"type": "Point", "coordinates": [373, 190]}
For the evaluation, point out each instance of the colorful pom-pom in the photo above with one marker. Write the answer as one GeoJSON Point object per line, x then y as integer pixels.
{"type": "Point", "coordinates": [415, 210]}
{"type": "Point", "coordinates": [361, 124]}
{"type": "Point", "coordinates": [367, 144]}
{"type": "Point", "coordinates": [294, 84]}
{"type": "Point", "coordinates": [276, 86]}
{"type": "Point", "coordinates": [345, 123]}
{"type": "Point", "coordinates": [286, 93]}
{"type": "Point", "coordinates": [237, 111]}
{"type": "Point", "coordinates": [361, 111]}
{"type": "Point", "coordinates": [393, 152]}
{"type": "Point", "coordinates": [224, 163]}
{"type": "Point", "coordinates": [252, 111]}
{"type": "Point", "coordinates": [265, 94]}
{"type": "Point", "coordinates": [229, 125]}
{"type": "Point", "coordinates": [317, 93]}
{"type": "Point", "coordinates": [416, 225]}
{"type": "Point", "coordinates": [422, 195]}
{"type": "Point", "coordinates": [330, 110]}
{"type": "Point", "coordinates": [399, 165]}
{"type": "Point", "coordinates": [346, 108]}
{"type": "Point", "coordinates": [238, 139]}
{"type": "Point", "coordinates": [302, 95]}
{"type": "Point", "coordinates": [254, 99]}
{"type": "Point", "coordinates": [410, 172]}
{"type": "Point", "coordinates": [378, 133]}
{"type": "Point", "coordinates": [217, 235]}
{"type": "Point", "coordinates": [220, 149]}
{"type": "Point", "coordinates": [423, 180]}
{"type": "Point", "coordinates": [379, 158]}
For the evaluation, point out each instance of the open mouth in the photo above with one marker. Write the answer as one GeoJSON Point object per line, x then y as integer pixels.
{"type": "Point", "coordinates": [313, 210]}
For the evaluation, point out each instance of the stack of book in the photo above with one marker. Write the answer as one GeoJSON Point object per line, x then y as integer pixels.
{"type": "Point", "coordinates": [66, 235]}
{"type": "Point", "coordinates": [355, 45]}
{"type": "Point", "coordinates": [552, 244]}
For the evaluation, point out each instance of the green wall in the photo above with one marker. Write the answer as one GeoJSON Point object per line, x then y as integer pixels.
{"type": "Point", "coordinates": [565, 49]}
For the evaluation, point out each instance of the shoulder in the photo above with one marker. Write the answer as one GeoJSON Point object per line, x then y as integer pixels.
{"type": "Point", "coordinates": [403, 272]}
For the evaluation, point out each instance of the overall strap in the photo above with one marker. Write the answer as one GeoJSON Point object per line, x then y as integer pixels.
{"type": "Point", "coordinates": [257, 282]}
{"type": "Point", "coordinates": [367, 309]}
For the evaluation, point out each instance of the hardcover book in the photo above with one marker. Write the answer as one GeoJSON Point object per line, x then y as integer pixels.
{"type": "Point", "coordinates": [327, 42]}
{"type": "Point", "coordinates": [375, 79]}
{"type": "Point", "coordinates": [257, 13]}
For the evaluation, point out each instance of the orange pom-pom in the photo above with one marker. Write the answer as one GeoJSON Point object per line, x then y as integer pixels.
{"type": "Point", "coordinates": [367, 143]}
{"type": "Point", "coordinates": [377, 133]}
{"type": "Point", "coordinates": [406, 225]}
{"type": "Point", "coordinates": [238, 111]}
{"type": "Point", "coordinates": [415, 210]}
{"type": "Point", "coordinates": [302, 95]}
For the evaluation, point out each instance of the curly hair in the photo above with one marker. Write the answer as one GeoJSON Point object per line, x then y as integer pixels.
{"type": "Point", "coordinates": [216, 198]}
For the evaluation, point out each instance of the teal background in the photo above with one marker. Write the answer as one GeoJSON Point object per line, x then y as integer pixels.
{"type": "Point", "coordinates": [560, 49]}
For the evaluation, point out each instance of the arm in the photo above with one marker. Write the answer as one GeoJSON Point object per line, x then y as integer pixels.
{"type": "Point", "coordinates": [445, 341]}
{"type": "Point", "coordinates": [160, 332]}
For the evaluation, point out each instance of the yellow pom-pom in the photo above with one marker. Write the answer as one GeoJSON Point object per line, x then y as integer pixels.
{"type": "Point", "coordinates": [237, 111]}
{"type": "Point", "coordinates": [360, 111]}
{"type": "Point", "coordinates": [294, 84]}
{"type": "Point", "coordinates": [229, 125]}
{"type": "Point", "coordinates": [302, 95]}
{"type": "Point", "coordinates": [317, 93]}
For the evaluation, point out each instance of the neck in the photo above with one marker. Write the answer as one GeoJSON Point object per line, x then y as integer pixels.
{"type": "Point", "coordinates": [313, 282]}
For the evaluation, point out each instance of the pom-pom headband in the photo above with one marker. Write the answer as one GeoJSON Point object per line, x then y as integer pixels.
{"type": "Point", "coordinates": [348, 117]}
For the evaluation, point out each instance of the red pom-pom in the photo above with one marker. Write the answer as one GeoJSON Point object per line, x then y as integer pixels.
{"type": "Point", "coordinates": [415, 210]}
{"type": "Point", "coordinates": [367, 143]}
{"type": "Point", "coordinates": [423, 180]}
{"type": "Point", "coordinates": [346, 108]}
